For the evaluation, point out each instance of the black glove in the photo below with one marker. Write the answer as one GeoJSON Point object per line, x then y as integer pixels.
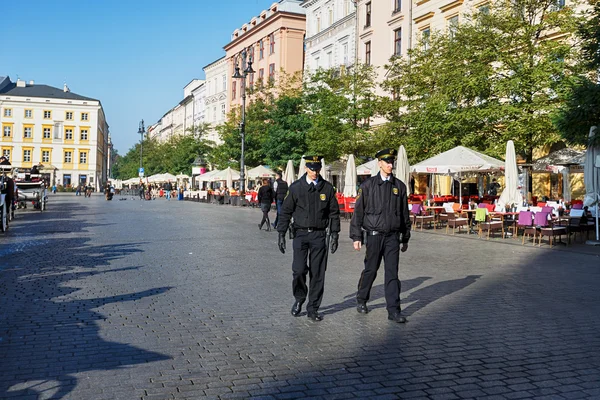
{"type": "Point", "coordinates": [281, 242]}
{"type": "Point", "coordinates": [334, 241]}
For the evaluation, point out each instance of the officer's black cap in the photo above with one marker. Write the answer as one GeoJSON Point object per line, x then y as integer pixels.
{"type": "Point", "coordinates": [388, 155]}
{"type": "Point", "coordinates": [313, 162]}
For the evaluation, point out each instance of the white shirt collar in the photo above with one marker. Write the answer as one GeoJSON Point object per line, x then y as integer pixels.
{"type": "Point", "coordinates": [309, 181]}
{"type": "Point", "coordinates": [386, 178]}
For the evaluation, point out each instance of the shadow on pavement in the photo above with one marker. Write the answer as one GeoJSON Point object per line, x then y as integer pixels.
{"type": "Point", "coordinates": [40, 312]}
{"type": "Point", "coordinates": [528, 329]}
{"type": "Point", "coordinates": [377, 293]}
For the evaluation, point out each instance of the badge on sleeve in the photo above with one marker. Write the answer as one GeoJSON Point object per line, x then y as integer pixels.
{"type": "Point", "coordinates": [323, 197]}
{"type": "Point", "coordinates": [395, 190]}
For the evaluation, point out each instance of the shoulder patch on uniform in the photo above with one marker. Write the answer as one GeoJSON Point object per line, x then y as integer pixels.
{"type": "Point", "coordinates": [323, 197]}
{"type": "Point", "coordinates": [359, 193]}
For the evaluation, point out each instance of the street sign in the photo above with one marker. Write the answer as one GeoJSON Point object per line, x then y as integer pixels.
{"type": "Point", "coordinates": [141, 172]}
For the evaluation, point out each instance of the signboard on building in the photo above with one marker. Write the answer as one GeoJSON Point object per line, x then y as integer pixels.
{"type": "Point", "coordinates": [141, 172]}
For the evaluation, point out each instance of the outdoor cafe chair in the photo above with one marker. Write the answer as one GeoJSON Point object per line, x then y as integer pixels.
{"type": "Point", "coordinates": [456, 222]}
{"type": "Point", "coordinates": [540, 220]}
{"type": "Point", "coordinates": [419, 216]}
{"type": "Point", "coordinates": [443, 216]}
{"type": "Point", "coordinates": [525, 221]}
{"type": "Point", "coordinates": [349, 205]}
{"type": "Point", "coordinates": [485, 223]}
{"type": "Point", "coordinates": [574, 227]}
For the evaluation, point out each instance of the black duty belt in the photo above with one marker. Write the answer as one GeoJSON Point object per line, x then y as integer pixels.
{"type": "Point", "coordinates": [377, 233]}
{"type": "Point", "coordinates": [309, 229]}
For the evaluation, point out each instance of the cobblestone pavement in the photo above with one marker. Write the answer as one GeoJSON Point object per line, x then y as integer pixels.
{"type": "Point", "coordinates": [162, 300]}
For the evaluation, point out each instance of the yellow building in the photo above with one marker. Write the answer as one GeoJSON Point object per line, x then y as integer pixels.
{"type": "Point", "coordinates": [65, 132]}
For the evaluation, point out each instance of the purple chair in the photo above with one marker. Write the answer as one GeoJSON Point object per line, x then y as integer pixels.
{"type": "Point", "coordinates": [577, 206]}
{"type": "Point", "coordinates": [541, 219]}
{"type": "Point", "coordinates": [481, 205]}
{"type": "Point", "coordinates": [419, 216]}
{"type": "Point", "coordinates": [416, 209]}
{"type": "Point", "coordinates": [547, 209]}
{"type": "Point", "coordinates": [525, 221]}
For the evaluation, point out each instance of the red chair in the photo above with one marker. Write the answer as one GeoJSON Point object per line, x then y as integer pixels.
{"type": "Point", "coordinates": [342, 205]}
{"type": "Point", "coordinates": [349, 203]}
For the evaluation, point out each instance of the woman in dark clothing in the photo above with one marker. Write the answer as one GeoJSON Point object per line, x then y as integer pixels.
{"type": "Point", "coordinates": [265, 198]}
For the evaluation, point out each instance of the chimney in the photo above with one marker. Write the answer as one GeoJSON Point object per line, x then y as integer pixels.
{"type": "Point", "coordinates": [20, 83]}
{"type": "Point", "coordinates": [66, 88]}
{"type": "Point", "coordinates": [30, 83]}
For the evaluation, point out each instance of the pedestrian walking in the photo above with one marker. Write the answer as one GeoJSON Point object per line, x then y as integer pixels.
{"type": "Point", "coordinates": [168, 190]}
{"type": "Point", "coordinates": [382, 222]}
{"type": "Point", "coordinates": [265, 199]}
{"type": "Point", "coordinates": [141, 191]}
{"type": "Point", "coordinates": [311, 202]}
{"type": "Point", "coordinates": [280, 187]}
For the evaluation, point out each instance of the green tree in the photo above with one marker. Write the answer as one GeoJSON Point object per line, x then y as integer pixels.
{"type": "Point", "coordinates": [581, 108]}
{"type": "Point", "coordinates": [174, 156]}
{"type": "Point", "coordinates": [495, 77]}
{"type": "Point", "coordinates": [274, 126]}
{"type": "Point", "coordinates": [285, 137]}
{"type": "Point", "coordinates": [341, 104]}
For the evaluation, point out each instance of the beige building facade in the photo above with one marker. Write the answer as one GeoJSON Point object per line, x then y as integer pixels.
{"type": "Point", "coordinates": [65, 132]}
{"type": "Point", "coordinates": [274, 41]}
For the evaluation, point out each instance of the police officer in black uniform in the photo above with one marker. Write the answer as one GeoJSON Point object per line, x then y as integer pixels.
{"type": "Point", "coordinates": [312, 203]}
{"type": "Point", "coordinates": [381, 220]}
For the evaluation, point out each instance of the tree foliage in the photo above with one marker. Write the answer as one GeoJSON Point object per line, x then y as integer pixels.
{"type": "Point", "coordinates": [581, 108]}
{"type": "Point", "coordinates": [497, 76]}
{"type": "Point", "coordinates": [174, 156]}
{"type": "Point", "coordinates": [341, 104]}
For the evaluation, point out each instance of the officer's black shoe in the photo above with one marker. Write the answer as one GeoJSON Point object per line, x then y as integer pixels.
{"type": "Point", "coordinates": [296, 308]}
{"type": "Point", "coordinates": [314, 316]}
{"type": "Point", "coordinates": [396, 317]}
{"type": "Point", "coordinates": [362, 308]}
{"type": "Point", "coordinates": [259, 227]}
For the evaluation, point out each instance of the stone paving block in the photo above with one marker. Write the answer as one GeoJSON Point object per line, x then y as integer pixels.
{"type": "Point", "coordinates": [127, 306]}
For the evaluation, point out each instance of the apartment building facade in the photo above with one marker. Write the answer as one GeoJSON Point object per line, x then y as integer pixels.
{"type": "Point", "coordinates": [65, 132]}
{"type": "Point", "coordinates": [330, 33]}
{"type": "Point", "coordinates": [274, 41]}
{"type": "Point", "coordinates": [216, 103]}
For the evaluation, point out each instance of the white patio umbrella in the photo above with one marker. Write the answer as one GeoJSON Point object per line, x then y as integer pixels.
{"type": "Point", "coordinates": [591, 178]}
{"type": "Point", "coordinates": [324, 172]}
{"type": "Point", "coordinates": [511, 194]}
{"type": "Point", "coordinates": [351, 178]}
{"type": "Point", "coordinates": [302, 168]}
{"type": "Point", "coordinates": [260, 172]}
{"type": "Point", "coordinates": [289, 173]}
{"type": "Point", "coordinates": [402, 167]}
{"type": "Point", "coordinates": [207, 176]}
{"type": "Point", "coordinates": [457, 160]}
{"type": "Point", "coordinates": [229, 178]}
{"type": "Point", "coordinates": [566, 185]}
{"type": "Point", "coordinates": [368, 168]}
{"type": "Point", "coordinates": [222, 175]}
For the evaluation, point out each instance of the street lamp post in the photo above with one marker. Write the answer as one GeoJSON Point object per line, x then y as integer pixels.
{"type": "Point", "coordinates": [141, 131]}
{"type": "Point", "coordinates": [245, 71]}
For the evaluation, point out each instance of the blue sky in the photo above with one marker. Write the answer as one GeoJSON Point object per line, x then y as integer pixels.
{"type": "Point", "coordinates": [135, 56]}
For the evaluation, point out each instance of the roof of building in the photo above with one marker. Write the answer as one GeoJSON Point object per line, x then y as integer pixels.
{"type": "Point", "coordinates": [41, 91]}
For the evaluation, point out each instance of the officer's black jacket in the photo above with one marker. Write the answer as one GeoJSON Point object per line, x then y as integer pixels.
{"type": "Point", "coordinates": [382, 207]}
{"type": "Point", "coordinates": [311, 207]}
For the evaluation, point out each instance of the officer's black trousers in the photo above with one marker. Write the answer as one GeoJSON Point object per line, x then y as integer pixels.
{"type": "Point", "coordinates": [380, 247]}
{"type": "Point", "coordinates": [305, 244]}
